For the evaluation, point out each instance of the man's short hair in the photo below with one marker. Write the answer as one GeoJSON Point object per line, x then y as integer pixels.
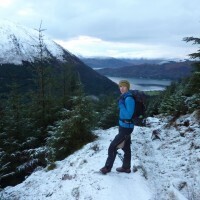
{"type": "Point", "coordinates": [124, 83]}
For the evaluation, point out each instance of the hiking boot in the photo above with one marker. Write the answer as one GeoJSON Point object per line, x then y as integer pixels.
{"type": "Point", "coordinates": [104, 170]}
{"type": "Point", "coordinates": [121, 169]}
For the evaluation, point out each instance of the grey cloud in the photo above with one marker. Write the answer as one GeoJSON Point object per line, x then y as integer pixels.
{"type": "Point", "coordinates": [146, 21]}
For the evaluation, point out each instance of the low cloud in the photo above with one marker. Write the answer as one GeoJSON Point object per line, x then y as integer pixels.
{"type": "Point", "coordinates": [91, 47]}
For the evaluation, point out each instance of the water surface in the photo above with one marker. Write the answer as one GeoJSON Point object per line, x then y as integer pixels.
{"type": "Point", "coordinates": [143, 84]}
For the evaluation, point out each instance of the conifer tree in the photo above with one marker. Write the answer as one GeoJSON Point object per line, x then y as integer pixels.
{"type": "Point", "coordinates": [108, 113]}
{"type": "Point", "coordinates": [196, 55]}
{"type": "Point", "coordinates": [16, 137]}
{"type": "Point", "coordinates": [74, 130]}
{"type": "Point", "coordinates": [192, 88]}
{"type": "Point", "coordinates": [68, 83]}
{"type": "Point", "coordinates": [45, 98]}
{"type": "Point", "coordinates": [184, 96]}
{"type": "Point", "coordinates": [40, 68]}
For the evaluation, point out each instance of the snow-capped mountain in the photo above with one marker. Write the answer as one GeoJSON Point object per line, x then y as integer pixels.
{"type": "Point", "coordinates": [19, 43]}
{"type": "Point", "coordinates": [164, 169]}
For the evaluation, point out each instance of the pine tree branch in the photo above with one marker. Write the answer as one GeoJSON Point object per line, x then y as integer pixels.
{"type": "Point", "coordinates": [193, 39]}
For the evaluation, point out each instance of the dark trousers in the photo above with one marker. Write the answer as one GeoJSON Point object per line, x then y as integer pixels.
{"type": "Point", "coordinates": [124, 134]}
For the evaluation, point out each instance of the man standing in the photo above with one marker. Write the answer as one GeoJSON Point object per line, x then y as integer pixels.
{"type": "Point", "coordinates": [126, 106]}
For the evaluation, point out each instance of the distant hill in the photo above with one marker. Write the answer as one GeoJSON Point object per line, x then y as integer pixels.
{"type": "Point", "coordinates": [169, 70]}
{"type": "Point", "coordinates": [18, 49]}
{"type": "Point", "coordinates": [104, 62]}
{"type": "Point", "coordinates": [109, 62]}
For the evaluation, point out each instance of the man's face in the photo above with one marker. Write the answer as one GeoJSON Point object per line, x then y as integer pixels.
{"type": "Point", "coordinates": [123, 89]}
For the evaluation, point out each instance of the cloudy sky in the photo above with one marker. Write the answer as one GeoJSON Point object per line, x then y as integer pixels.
{"type": "Point", "coordinates": [117, 28]}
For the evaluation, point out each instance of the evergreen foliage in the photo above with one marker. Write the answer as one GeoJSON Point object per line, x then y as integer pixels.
{"type": "Point", "coordinates": [180, 97]}
{"type": "Point", "coordinates": [73, 131]}
{"type": "Point", "coordinates": [192, 91]}
{"type": "Point", "coordinates": [24, 122]}
{"type": "Point", "coordinates": [25, 116]}
{"type": "Point", "coordinates": [17, 137]}
{"type": "Point", "coordinates": [107, 112]}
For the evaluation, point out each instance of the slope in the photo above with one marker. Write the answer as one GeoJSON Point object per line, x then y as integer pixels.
{"type": "Point", "coordinates": [170, 70]}
{"type": "Point", "coordinates": [77, 177]}
{"type": "Point", "coordinates": [172, 164]}
{"type": "Point", "coordinates": [165, 169]}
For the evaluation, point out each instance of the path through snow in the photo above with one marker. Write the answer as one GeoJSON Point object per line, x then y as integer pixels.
{"type": "Point", "coordinates": [77, 177]}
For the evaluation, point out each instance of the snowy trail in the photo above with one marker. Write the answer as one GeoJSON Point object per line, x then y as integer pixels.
{"type": "Point", "coordinates": [166, 169]}
{"type": "Point", "coordinates": [77, 177]}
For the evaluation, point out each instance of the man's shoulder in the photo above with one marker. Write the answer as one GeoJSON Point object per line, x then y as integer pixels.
{"type": "Point", "coordinates": [129, 97]}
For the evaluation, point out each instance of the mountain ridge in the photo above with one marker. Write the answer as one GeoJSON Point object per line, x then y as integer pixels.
{"type": "Point", "coordinates": [170, 70]}
{"type": "Point", "coordinates": [22, 42]}
{"type": "Point", "coordinates": [111, 62]}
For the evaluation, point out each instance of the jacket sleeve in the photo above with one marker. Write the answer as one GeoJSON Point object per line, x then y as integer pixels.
{"type": "Point", "coordinates": [127, 109]}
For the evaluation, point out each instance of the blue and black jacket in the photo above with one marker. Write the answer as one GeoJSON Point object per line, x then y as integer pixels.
{"type": "Point", "coordinates": [127, 107]}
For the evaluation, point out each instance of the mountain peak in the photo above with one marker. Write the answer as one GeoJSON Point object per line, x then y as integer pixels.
{"type": "Point", "coordinates": [18, 43]}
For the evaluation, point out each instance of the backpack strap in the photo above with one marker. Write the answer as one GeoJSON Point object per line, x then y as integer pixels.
{"type": "Point", "coordinates": [128, 95]}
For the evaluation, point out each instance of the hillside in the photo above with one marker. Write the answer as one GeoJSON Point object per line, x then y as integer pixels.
{"type": "Point", "coordinates": [170, 70]}
{"type": "Point", "coordinates": [161, 169]}
{"type": "Point", "coordinates": [109, 62]}
{"type": "Point", "coordinates": [19, 50]}
{"type": "Point", "coordinates": [104, 62]}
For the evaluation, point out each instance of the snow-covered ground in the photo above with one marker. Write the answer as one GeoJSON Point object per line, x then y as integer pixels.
{"type": "Point", "coordinates": [172, 164]}
{"type": "Point", "coordinates": [166, 169]}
